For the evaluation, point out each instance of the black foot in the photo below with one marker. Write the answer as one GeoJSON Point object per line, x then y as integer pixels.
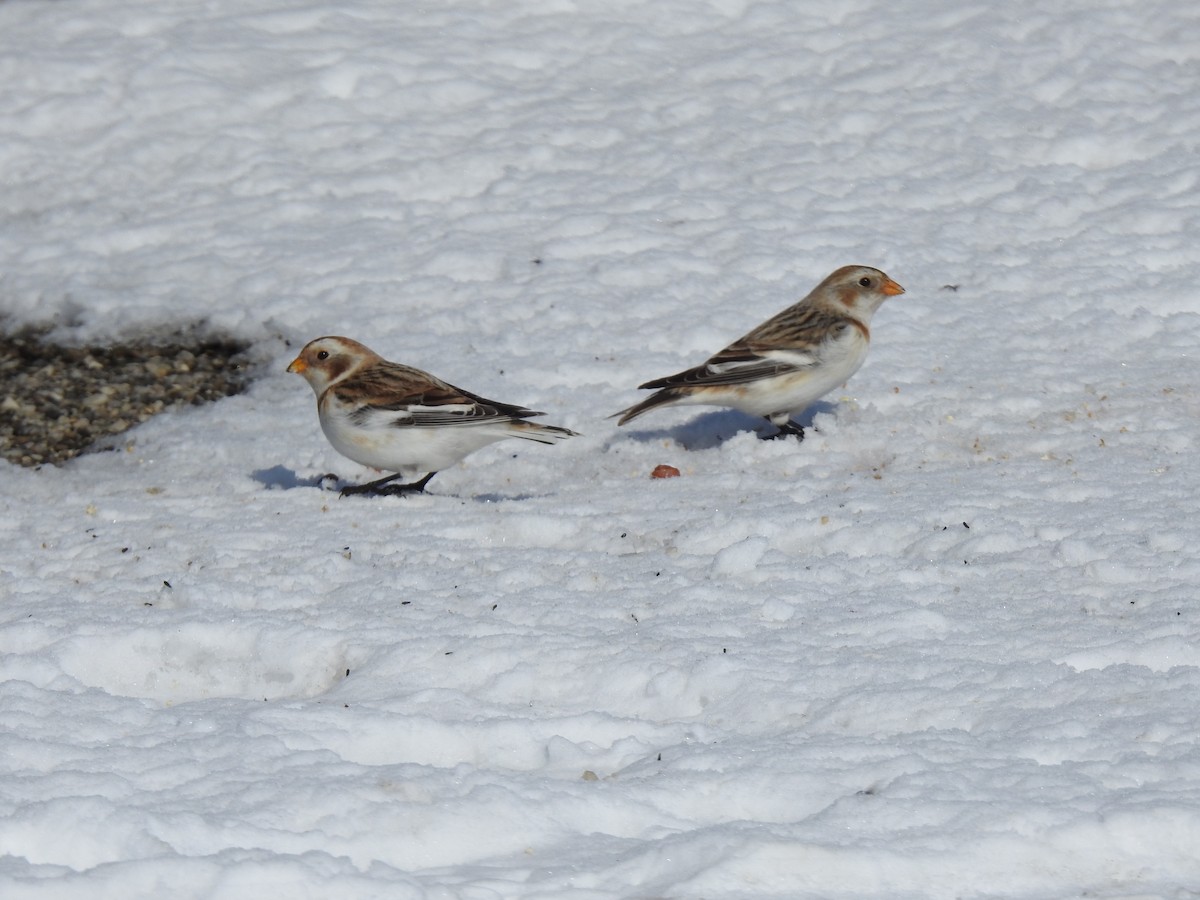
{"type": "Point", "coordinates": [384, 489]}
{"type": "Point", "coordinates": [400, 490]}
{"type": "Point", "coordinates": [787, 429]}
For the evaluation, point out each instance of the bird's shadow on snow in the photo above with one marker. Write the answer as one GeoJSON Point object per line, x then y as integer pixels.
{"type": "Point", "coordinates": [713, 429]}
{"type": "Point", "coordinates": [501, 498]}
{"type": "Point", "coordinates": [281, 478]}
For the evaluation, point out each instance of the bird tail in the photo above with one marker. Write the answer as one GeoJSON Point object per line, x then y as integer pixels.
{"type": "Point", "coordinates": [654, 400]}
{"type": "Point", "coordinates": [543, 434]}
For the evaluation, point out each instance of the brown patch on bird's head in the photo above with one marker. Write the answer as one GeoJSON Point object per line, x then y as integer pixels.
{"type": "Point", "coordinates": [337, 364]}
{"type": "Point", "coordinates": [862, 288]}
{"type": "Point", "coordinates": [325, 360]}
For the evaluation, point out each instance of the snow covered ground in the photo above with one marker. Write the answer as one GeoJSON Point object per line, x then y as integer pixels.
{"type": "Point", "coordinates": [947, 647]}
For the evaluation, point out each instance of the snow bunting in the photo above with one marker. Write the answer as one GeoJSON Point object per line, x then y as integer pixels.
{"type": "Point", "coordinates": [789, 361]}
{"type": "Point", "coordinates": [400, 419]}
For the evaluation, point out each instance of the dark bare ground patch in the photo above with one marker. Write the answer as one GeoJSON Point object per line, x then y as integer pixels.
{"type": "Point", "coordinates": [57, 401]}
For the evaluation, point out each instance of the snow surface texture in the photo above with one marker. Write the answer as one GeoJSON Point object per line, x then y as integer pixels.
{"type": "Point", "coordinates": [947, 647]}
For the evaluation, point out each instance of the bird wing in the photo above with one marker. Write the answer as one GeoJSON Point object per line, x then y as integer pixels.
{"type": "Point", "coordinates": [802, 328]}
{"type": "Point", "coordinates": [394, 395]}
{"type": "Point", "coordinates": [729, 367]}
{"type": "Point", "coordinates": [791, 341]}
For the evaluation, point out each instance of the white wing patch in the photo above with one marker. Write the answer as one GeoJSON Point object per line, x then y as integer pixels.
{"type": "Point", "coordinates": [799, 359]}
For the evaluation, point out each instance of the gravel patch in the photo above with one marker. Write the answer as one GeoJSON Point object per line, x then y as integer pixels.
{"type": "Point", "coordinates": [58, 401]}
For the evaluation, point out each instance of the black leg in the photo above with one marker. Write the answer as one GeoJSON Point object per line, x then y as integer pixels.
{"type": "Point", "coordinates": [384, 488]}
{"type": "Point", "coordinates": [787, 429]}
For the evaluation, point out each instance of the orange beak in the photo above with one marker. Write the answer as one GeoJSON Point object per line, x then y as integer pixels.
{"type": "Point", "coordinates": [297, 366]}
{"type": "Point", "coordinates": [889, 287]}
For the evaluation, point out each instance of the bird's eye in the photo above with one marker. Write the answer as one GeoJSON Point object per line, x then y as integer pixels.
{"type": "Point", "coordinates": [865, 281]}
{"type": "Point", "coordinates": [324, 354]}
